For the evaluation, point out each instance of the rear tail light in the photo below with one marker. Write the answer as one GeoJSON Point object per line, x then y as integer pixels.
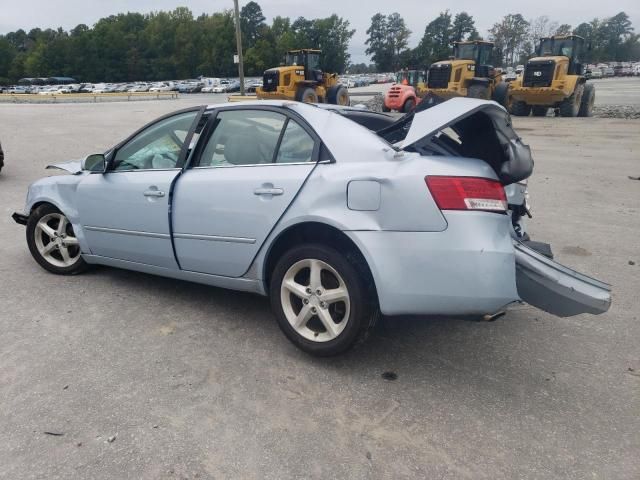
{"type": "Point", "coordinates": [467, 193]}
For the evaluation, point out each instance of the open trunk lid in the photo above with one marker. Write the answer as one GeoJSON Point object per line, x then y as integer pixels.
{"type": "Point", "coordinates": [556, 289]}
{"type": "Point", "coordinates": [482, 129]}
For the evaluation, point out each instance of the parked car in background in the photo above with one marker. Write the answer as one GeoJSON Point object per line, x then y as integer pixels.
{"type": "Point", "coordinates": [510, 75]}
{"type": "Point", "coordinates": [253, 85]}
{"type": "Point", "coordinates": [267, 197]}
{"type": "Point", "coordinates": [18, 89]}
{"type": "Point", "coordinates": [190, 87]}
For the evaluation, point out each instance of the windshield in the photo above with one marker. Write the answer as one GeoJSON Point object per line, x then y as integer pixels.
{"type": "Point", "coordinates": [297, 59]}
{"type": "Point", "coordinates": [409, 77]}
{"type": "Point", "coordinates": [472, 51]}
{"type": "Point", "coordinates": [550, 46]}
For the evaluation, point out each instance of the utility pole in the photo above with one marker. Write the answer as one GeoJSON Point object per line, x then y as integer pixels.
{"type": "Point", "coordinates": [239, 47]}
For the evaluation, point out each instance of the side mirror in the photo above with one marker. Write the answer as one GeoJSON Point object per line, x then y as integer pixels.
{"type": "Point", "coordinates": [94, 163]}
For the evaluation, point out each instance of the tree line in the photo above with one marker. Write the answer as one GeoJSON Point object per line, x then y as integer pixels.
{"type": "Point", "coordinates": [515, 39]}
{"type": "Point", "coordinates": [175, 44]}
{"type": "Point", "coordinates": [169, 45]}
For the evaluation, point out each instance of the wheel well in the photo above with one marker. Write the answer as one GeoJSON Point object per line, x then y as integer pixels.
{"type": "Point", "coordinates": [315, 232]}
{"type": "Point", "coordinates": [37, 204]}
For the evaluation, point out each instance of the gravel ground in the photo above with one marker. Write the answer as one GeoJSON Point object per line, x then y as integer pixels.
{"type": "Point", "coordinates": [140, 377]}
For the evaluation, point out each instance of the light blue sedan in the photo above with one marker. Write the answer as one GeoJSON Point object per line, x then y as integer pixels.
{"type": "Point", "coordinates": [337, 214]}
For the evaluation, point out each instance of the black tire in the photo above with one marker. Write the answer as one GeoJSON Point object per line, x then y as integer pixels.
{"type": "Point", "coordinates": [520, 109]}
{"type": "Point", "coordinates": [78, 265]}
{"type": "Point", "coordinates": [385, 108]}
{"type": "Point", "coordinates": [306, 95]}
{"type": "Point", "coordinates": [363, 309]}
{"type": "Point", "coordinates": [501, 94]}
{"type": "Point", "coordinates": [588, 99]}
{"type": "Point", "coordinates": [409, 105]}
{"type": "Point", "coordinates": [539, 111]}
{"type": "Point", "coordinates": [570, 106]}
{"type": "Point", "coordinates": [338, 95]}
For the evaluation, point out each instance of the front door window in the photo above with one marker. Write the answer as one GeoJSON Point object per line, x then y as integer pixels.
{"type": "Point", "coordinates": [158, 147]}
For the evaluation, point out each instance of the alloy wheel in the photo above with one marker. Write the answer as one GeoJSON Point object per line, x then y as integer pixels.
{"type": "Point", "coordinates": [56, 241]}
{"type": "Point", "coordinates": [315, 300]}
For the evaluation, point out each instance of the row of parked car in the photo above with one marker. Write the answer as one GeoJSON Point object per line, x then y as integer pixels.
{"type": "Point", "coordinates": [613, 69]}
{"type": "Point", "coordinates": [205, 85]}
{"type": "Point", "coordinates": [353, 81]}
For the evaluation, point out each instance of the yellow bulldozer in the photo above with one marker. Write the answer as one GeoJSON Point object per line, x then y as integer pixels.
{"type": "Point", "coordinates": [468, 74]}
{"type": "Point", "coordinates": [554, 79]}
{"type": "Point", "coordinates": [301, 79]}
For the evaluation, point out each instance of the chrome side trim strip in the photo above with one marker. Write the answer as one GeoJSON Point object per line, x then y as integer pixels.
{"type": "Point", "coordinates": [128, 232]}
{"type": "Point", "coordinates": [214, 238]}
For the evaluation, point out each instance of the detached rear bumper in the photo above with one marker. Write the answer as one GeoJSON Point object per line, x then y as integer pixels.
{"type": "Point", "coordinates": [557, 289]}
{"type": "Point", "coordinates": [20, 218]}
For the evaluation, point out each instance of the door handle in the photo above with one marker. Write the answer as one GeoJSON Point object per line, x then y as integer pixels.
{"type": "Point", "coordinates": [268, 191]}
{"type": "Point", "coordinates": [153, 193]}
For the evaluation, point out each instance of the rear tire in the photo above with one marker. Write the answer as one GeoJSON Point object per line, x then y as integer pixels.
{"type": "Point", "coordinates": [539, 111]}
{"type": "Point", "coordinates": [322, 301]}
{"type": "Point", "coordinates": [478, 91]}
{"type": "Point", "coordinates": [338, 95]}
{"type": "Point", "coordinates": [520, 109]}
{"type": "Point", "coordinates": [53, 243]}
{"type": "Point", "coordinates": [570, 106]}
{"type": "Point", "coordinates": [409, 105]}
{"type": "Point", "coordinates": [588, 99]}
{"type": "Point", "coordinates": [306, 95]}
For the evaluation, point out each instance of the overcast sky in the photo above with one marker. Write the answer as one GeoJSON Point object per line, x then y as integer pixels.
{"type": "Point", "coordinates": [16, 14]}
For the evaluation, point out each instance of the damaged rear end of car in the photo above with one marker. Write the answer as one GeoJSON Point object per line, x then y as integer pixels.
{"type": "Point", "coordinates": [482, 130]}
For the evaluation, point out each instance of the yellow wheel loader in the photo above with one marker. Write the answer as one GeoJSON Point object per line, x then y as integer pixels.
{"type": "Point", "coordinates": [301, 79]}
{"type": "Point", "coordinates": [468, 74]}
{"type": "Point", "coordinates": [554, 79]}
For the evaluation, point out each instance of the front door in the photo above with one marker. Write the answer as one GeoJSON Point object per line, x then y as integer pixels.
{"type": "Point", "coordinates": [125, 211]}
{"type": "Point", "coordinates": [250, 169]}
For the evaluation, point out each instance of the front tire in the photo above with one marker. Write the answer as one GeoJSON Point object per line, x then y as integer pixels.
{"type": "Point", "coordinates": [307, 95]}
{"type": "Point", "coordinates": [501, 94]}
{"type": "Point", "coordinates": [570, 106]}
{"type": "Point", "coordinates": [52, 241]}
{"type": "Point", "coordinates": [338, 95]}
{"type": "Point", "coordinates": [588, 99]}
{"type": "Point", "coordinates": [409, 105]}
{"type": "Point", "coordinates": [322, 300]}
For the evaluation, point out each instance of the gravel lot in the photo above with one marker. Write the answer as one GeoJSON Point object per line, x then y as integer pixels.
{"type": "Point", "coordinates": [150, 378]}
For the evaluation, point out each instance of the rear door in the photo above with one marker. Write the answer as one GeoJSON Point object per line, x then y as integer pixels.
{"type": "Point", "coordinates": [556, 289]}
{"type": "Point", "coordinates": [248, 169]}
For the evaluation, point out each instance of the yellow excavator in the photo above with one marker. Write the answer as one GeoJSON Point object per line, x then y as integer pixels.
{"type": "Point", "coordinates": [302, 80]}
{"type": "Point", "coordinates": [468, 74]}
{"type": "Point", "coordinates": [554, 79]}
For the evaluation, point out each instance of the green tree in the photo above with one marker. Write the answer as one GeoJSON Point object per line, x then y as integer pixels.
{"type": "Point", "coordinates": [564, 29]}
{"type": "Point", "coordinates": [397, 37]}
{"type": "Point", "coordinates": [252, 22]}
{"type": "Point", "coordinates": [463, 28]}
{"type": "Point", "coordinates": [436, 41]}
{"type": "Point", "coordinates": [510, 37]}
{"type": "Point", "coordinates": [378, 47]}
